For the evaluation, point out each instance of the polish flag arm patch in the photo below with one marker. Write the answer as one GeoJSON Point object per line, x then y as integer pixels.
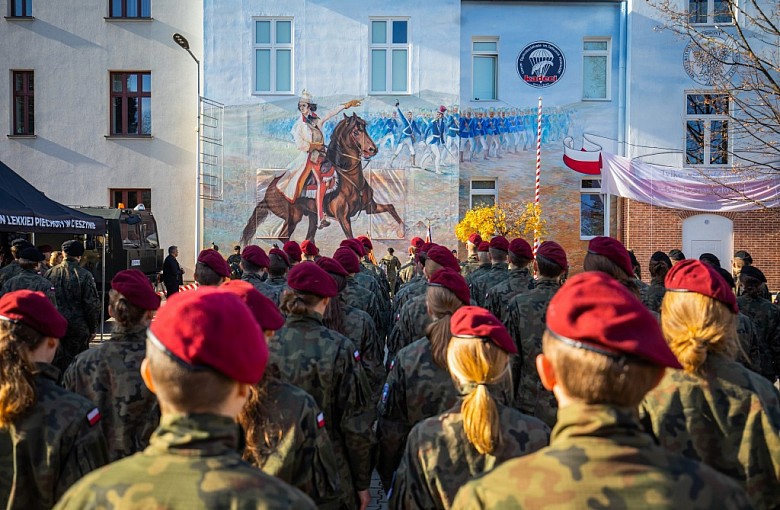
{"type": "Point", "coordinates": [320, 420]}
{"type": "Point", "coordinates": [93, 417]}
{"type": "Point", "coordinates": [356, 355]}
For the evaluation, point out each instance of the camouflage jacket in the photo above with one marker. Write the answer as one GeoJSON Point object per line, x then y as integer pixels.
{"type": "Point", "coordinates": [407, 271]}
{"type": "Point", "coordinates": [258, 282]}
{"type": "Point", "coordinates": [477, 273]}
{"type": "Point", "coordinates": [30, 280]}
{"type": "Point", "coordinates": [599, 457]}
{"type": "Point", "coordinates": [55, 443]}
{"type": "Point", "coordinates": [77, 296]}
{"type": "Point", "coordinates": [439, 459]}
{"type": "Point", "coordinates": [9, 271]}
{"type": "Point", "coordinates": [326, 364]}
{"type": "Point", "coordinates": [525, 321]}
{"type": "Point", "coordinates": [361, 298]}
{"type": "Point", "coordinates": [728, 418]}
{"type": "Point", "coordinates": [482, 284]}
{"type": "Point", "coordinates": [518, 281]}
{"type": "Point", "coordinates": [273, 289]}
{"type": "Point", "coordinates": [110, 376]}
{"type": "Point", "coordinates": [302, 455]}
{"type": "Point", "coordinates": [381, 290]}
{"type": "Point", "coordinates": [192, 462]}
{"type": "Point", "coordinates": [409, 291]}
{"type": "Point", "coordinates": [469, 266]}
{"type": "Point", "coordinates": [766, 321]}
{"type": "Point", "coordinates": [750, 354]}
{"type": "Point", "coordinates": [361, 330]}
{"type": "Point", "coordinates": [412, 321]}
{"type": "Point", "coordinates": [653, 296]}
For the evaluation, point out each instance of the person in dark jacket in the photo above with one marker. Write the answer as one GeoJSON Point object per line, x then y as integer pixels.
{"type": "Point", "coordinates": [172, 272]}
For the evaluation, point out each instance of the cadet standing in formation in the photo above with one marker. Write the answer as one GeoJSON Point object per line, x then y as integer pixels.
{"type": "Point", "coordinates": [13, 268]}
{"type": "Point", "coordinates": [28, 278]}
{"type": "Point", "coordinates": [765, 317]}
{"type": "Point", "coordinates": [483, 259]}
{"type": "Point", "coordinates": [254, 267]}
{"type": "Point", "coordinates": [276, 284]}
{"type": "Point", "coordinates": [518, 281]}
{"type": "Point", "coordinates": [211, 270]}
{"type": "Point", "coordinates": [659, 265]}
{"type": "Point", "coordinates": [499, 251]}
{"type": "Point", "coordinates": [472, 260]}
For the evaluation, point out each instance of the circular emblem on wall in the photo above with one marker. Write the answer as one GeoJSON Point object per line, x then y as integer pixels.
{"type": "Point", "coordinates": [541, 64]}
{"type": "Point", "coordinates": [710, 59]}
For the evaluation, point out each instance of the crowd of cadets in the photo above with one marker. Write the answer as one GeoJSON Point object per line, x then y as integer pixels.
{"type": "Point", "coordinates": [287, 377]}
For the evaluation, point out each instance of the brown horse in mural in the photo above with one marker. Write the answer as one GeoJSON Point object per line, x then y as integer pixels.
{"type": "Point", "coordinates": [349, 145]}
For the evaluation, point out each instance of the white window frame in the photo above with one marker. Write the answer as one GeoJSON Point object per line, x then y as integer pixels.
{"type": "Point", "coordinates": [388, 46]}
{"type": "Point", "coordinates": [711, 14]}
{"type": "Point", "coordinates": [604, 200]}
{"type": "Point", "coordinates": [707, 118]}
{"type": "Point", "coordinates": [598, 53]}
{"type": "Point", "coordinates": [481, 192]}
{"type": "Point", "coordinates": [273, 46]}
{"type": "Point", "coordinates": [485, 53]}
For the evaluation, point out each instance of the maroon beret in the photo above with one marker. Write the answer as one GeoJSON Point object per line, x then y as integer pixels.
{"type": "Point", "coordinates": [255, 255]}
{"type": "Point", "coordinates": [499, 243]}
{"type": "Point", "coordinates": [311, 278]}
{"type": "Point", "coordinates": [267, 315]}
{"type": "Point", "coordinates": [614, 250]}
{"type": "Point", "coordinates": [475, 321]}
{"type": "Point", "coordinates": [520, 248]}
{"type": "Point", "coordinates": [331, 266]}
{"type": "Point", "coordinates": [475, 239]}
{"type": "Point", "coordinates": [279, 253]}
{"type": "Point", "coordinates": [366, 242]}
{"type": "Point", "coordinates": [214, 260]}
{"type": "Point", "coordinates": [425, 247]}
{"type": "Point", "coordinates": [136, 288]}
{"type": "Point", "coordinates": [443, 257]}
{"type": "Point", "coordinates": [453, 281]}
{"type": "Point", "coordinates": [35, 310]}
{"type": "Point", "coordinates": [347, 258]}
{"type": "Point", "coordinates": [484, 246]}
{"type": "Point", "coordinates": [695, 276]}
{"type": "Point", "coordinates": [292, 250]}
{"type": "Point", "coordinates": [354, 245]}
{"type": "Point", "coordinates": [212, 328]}
{"type": "Point", "coordinates": [309, 248]}
{"type": "Point", "coordinates": [553, 252]}
{"type": "Point", "coordinates": [593, 311]}
{"type": "Point", "coordinates": [417, 242]}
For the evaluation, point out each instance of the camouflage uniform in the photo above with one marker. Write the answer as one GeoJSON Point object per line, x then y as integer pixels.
{"type": "Point", "coordinates": [257, 281]}
{"type": "Point", "coordinates": [192, 462]}
{"type": "Point", "coordinates": [360, 329]}
{"type": "Point", "coordinates": [361, 298]}
{"type": "Point", "coordinates": [325, 364]}
{"type": "Point", "coordinates": [274, 287]}
{"type": "Point", "coordinates": [525, 321]}
{"type": "Point", "coordinates": [439, 459]}
{"type": "Point", "coordinates": [653, 296]}
{"type": "Point", "coordinates": [110, 376]}
{"type": "Point", "coordinates": [518, 281]}
{"type": "Point", "coordinates": [392, 267]}
{"type": "Point", "coordinates": [766, 321]}
{"type": "Point", "coordinates": [30, 280]}
{"type": "Point", "coordinates": [750, 355]}
{"type": "Point", "coordinates": [479, 272]}
{"type": "Point", "coordinates": [303, 454]}
{"type": "Point", "coordinates": [55, 445]}
{"type": "Point", "coordinates": [471, 265]}
{"type": "Point", "coordinates": [412, 289]}
{"type": "Point", "coordinates": [9, 271]}
{"type": "Point", "coordinates": [482, 284]}
{"type": "Point", "coordinates": [410, 325]}
{"type": "Point", "coordinates": [378, 286]}
{"type": "Point", "coordinates": [599, 457]}
{"type": "Point", "coordinates": [79, 303]}
{"type": "Point", "coordinates": [728, 418]}
{"type": "Point", "coordinates": [407, 272]}
{"type": "Point", "coordinates": [643, 288]}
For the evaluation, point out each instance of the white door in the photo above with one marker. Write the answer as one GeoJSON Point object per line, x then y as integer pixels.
{"type": "Point", "coordinates": [709, 233]}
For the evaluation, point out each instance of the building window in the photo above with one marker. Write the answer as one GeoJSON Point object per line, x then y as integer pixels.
{"type": "Point", "coordinates": [596, 68]}
{"type": "Point", "coordinates": [130, 8]}
{"type": "Point", "coordinates": [389, 56]}
{"type": "Point", "coordinates": [707, 129]}
{"type": "Point", "coordinates": [24, 103]}
{"type": "Point", "coordinates": [129, 198]}
{"type": "Point", "coordinates": [131, 103]}
{"type": "Point", "coordinates": [710, 12]}
{"type": "Point", "coordinates": [592, 211]}
{"type": "Point", "coordinates": [21, 8]}
{"type": "Point", "coordinates": [483, 193]}
{"type": "Point", "coordinates": [273, 56]}
{"type": "Point", "coordinates": [484, 69]}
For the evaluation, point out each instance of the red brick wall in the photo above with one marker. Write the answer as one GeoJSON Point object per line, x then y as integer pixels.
{"type": "Point", "coordinates": [646, 229]}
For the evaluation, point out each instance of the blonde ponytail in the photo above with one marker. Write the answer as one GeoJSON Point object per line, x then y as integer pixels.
{"type": "Point", "coordinates": [441, 303]}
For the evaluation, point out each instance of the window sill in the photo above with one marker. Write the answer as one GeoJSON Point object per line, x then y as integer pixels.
{"type": "Point", "coordinates": [389, 93]}
{"type": "Point", "coordinates": [475, 100]}
{"type": "Point", "coordinates": [137, 19]}
{"type": "Point", "coordinates": [19, 18]}
{"type": "Point", "coordinates": [597, 99]}
{"type": "Point", "coordinates": [275, 94]}
{"type": "Point", "coordinates": [128, 137]}
{"type": "Point", "coordinates": [22, 137]}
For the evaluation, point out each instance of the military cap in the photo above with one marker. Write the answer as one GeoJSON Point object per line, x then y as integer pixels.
{"type": "Point", "coordinates": [136, 288]}
{"type": "Point", "coordinates": [73, 248]}
{"type": "Point", "coordinates": [475, 321]}
{"type": "Point", "coordinates": [293, 250]}
{"type": "Point", "coordinates": [417, 242]}
{"type": "Point", "coordinates": [614, 250]}
{"type": "Point", "coordinates": [696, 276]}
{"type": "Point", "coordinates": [475, 239]}
{"type": "Point", "coordinates": [520, 248]}
{"type": "Point", "coordinates": [309, 248]}
{"type": "Point", "coordinates": [35, 310]}
{"type": "Point", "coordinates": [311, 278]}
{"type": "Point", "coordinates": [263, 309]}
{"type": "Point", "coordinates": [753, 272]}
{"type": "Point", "coordinates": [331, 266]}
{"type": "Point", "coordinates": [660, 256]}
{"type": "Point", "coordinates": [279, 253]}
{"type": "Point", "coordinates": [366, 242]}
{"type": "Point", "coordinates": [452, 280]}
{"type": "Point", "coordinates": [676, 254]}
{"type": "Point", "coordinates": [553, 252]}
{"type": "Point", "coordinates": [32, 254]}
{"type": "Point", "coordinates": [354, 245]}
{"type": "Point", "coordinates": [593, 311]}
{"type": "Point", "coordinates": [348, 260]}
{"type": "Point", "coordinates": [211, 328]}
{"type": "Point", "coordinates": [443, 257]}
{"type": "Point", "coordinates": [499, 243]}
{"type": "Point", "coordinates": [21, 243]}
{"type": "Point", "coordinates": [214, 260]}
{"type": "Point", "coordinates": [255, 255]}
{"type": "Point", "coordinates": [484, 246]}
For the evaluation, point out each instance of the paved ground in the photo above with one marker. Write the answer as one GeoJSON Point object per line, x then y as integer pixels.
{"type": "Point", "coordinates": [378, 501]}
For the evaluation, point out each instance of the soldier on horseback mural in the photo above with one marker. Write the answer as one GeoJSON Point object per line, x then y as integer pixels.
{"type": "Point", "coordinates": [309, 139]}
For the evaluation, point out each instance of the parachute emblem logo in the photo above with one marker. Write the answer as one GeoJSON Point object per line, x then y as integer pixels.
{"type": "Point", "coordinates": [541, 64]}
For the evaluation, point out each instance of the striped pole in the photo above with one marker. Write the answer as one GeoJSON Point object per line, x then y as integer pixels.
{"type": "Point", "coordinates": [538, 169]}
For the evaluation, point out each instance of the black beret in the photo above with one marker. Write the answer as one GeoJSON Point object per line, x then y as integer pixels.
{"type": "Point", "coordinates": [753, 272]}
{"type": "Point", "coordinates": [73, 248]}
{"type": "Point", "coordinates": [32, 254]}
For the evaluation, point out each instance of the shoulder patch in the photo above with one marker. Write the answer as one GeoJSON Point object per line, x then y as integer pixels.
{"type": "Point", "coordinates": [320, 420]}
{"type": "Point", "coordinates": [385, 392]}
{"type": "Point", "coordinates": [392, 364]}
{"type": "Point", "coordinates": [93, 417]}
{"type": "Point", "coordinates": [356, 355]}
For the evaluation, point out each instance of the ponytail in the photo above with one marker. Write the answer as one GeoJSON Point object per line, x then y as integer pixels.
{"type": "Point", "coordinates": [298, 303]}
{"type": "Point", "coordinates": [441, 303]}
{"type": "Point", "coordinates": [17, 372]}
{"type": "Point", "coordinates": [333, 318]}
{"type": "Point", "coordinates": [126, 314]}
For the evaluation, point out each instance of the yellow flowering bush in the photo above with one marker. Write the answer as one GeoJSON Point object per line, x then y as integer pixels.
{"type": "Point", "coordinates": [508, 220]}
